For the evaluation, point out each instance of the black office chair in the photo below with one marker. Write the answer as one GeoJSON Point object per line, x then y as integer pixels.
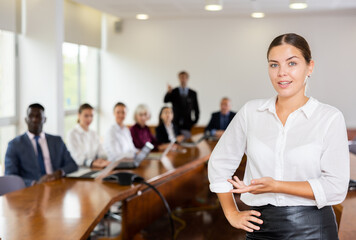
{"type": "Point", "coordinates": [10, 183]}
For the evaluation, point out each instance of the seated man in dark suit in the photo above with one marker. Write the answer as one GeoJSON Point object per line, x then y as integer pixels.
{"type": "Point", "coordinates": [220, 120]}
{"type": "Point", "coordinates": [36, 156]}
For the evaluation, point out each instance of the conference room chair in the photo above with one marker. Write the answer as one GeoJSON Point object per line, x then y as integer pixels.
{"type": "Point", "coordinates": [10, 183]}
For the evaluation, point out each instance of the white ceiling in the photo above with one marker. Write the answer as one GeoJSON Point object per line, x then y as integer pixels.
{"type": "Point", "coordinates": [160, 9]}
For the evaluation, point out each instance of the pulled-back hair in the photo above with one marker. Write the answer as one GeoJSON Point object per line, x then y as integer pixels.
{"type": "Point", "coordinates": [119, 104]}
{"type": "Point", "coordinates": [83, 107]}
{"type": "Point", "coordinates": [296, 41]}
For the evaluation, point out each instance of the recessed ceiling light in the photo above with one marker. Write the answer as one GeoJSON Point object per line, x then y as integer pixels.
{"type": "Point", "coordinates": [142, 16]}
{"type": "Point", "coordinates": [213, 5]}
{"type": "Point", "coordinates": [258, 15]}
{"type": "Point", "coordinates": [297, 4]}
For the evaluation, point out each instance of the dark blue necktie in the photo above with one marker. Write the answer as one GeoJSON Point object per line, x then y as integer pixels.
{"type": "Point", "coordinates": [40, 156]}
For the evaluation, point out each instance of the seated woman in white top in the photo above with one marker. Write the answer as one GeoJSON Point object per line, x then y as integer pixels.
{"type": "Point", "coordinates": [83, 143]}
{"type": "Point", "coordinates": [118, 141]}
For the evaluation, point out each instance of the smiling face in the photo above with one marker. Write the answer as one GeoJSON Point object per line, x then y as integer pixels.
{"type": "Point", "coordinates": [86, 117]}
{"type": "Point", "coordinates": [167, 115]}
{"type": "Point", "coordinates": [35, 120]}
{"type": "Point", "coordinates": [225, 106]}
{"type": "Point", "coordinates": [288, 70]}
{"type": "Point", "coordinates": [120, 114]}
{"type": "Point", "coordinates": [142, 118]}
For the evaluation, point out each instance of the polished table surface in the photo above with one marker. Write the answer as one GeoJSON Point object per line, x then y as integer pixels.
{"type": "Point", "coordinates": [71, 208]}
{"type": "Point", "coordinates": [347, 230]}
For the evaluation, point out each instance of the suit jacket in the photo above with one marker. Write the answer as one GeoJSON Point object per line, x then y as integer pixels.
{"type": "Point", "coordinates": [215, 121]}
{"type": "Point", "coordinates": [183, 108]}
{"type": "Point", "coordinates": [21, 159]}
{"type": "Point", "coordinates": [162, 135]}
{"type": "Point", "coordinates": [352, 146]}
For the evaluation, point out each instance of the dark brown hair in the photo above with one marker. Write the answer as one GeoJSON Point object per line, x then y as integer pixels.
{"type": "Point", "coordinates": [296, 41]}
{"type": "Point", "coordinates": [183, 73]}
{"type": "Point", "coordinates": [83, 107]}
{"type": "Point", "coordinates": [118, 105]}
{"type": "Point", "coordinates": [160, 113]}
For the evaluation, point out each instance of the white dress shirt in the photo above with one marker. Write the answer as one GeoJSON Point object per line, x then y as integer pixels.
{"type": "Point", "coordinates": [45, 151]}
{"type": "Point", "coordinates": [170, 132]}
{"type": "Point", "coordinates": [118, 143]}
{"type": "Point", "coordinates": [84, 146]}
{"type": "Point", "coordinates": [311, 146]}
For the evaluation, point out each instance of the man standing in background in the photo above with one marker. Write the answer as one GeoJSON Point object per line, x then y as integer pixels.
{"type": "Point", "coordinates": [185, 103]}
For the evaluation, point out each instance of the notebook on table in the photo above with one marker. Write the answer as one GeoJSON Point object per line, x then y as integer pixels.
{"type": "Point", "coordinates": [122, 163]}
{"type": "Point", "coordinates": [127, 163]}
{"type": "Point", "coordinates": [195, 141]}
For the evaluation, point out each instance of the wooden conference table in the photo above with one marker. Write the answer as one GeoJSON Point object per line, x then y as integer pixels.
{"type": "Point", "coordinates": [347, 230]}
{"type": "Point", "coordinates": [71, 208]}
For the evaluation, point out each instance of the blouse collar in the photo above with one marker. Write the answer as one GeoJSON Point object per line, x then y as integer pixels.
{"type": "Point", "coordinates": [308, 108]}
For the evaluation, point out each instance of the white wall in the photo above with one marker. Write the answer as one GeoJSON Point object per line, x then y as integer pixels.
{"type": "Point", "coordinates": [82, 24]}
{"type": "Point", "coordinates": [40, 49]}
{"type": "Point", "coordinates": [225, 57]}
{"type": "Point", "coordinates": [8, 15]}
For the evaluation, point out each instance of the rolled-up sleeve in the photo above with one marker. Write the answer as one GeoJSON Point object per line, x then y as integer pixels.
{"type": "Point", "coordinates": [331, 187]}
{"type": "Point", "coordinates": [227, 154]}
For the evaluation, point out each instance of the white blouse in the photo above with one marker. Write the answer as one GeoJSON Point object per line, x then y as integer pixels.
{"type": "Point", "coordinates": [170, 132]}
{"type": "Point", "coordinates": [84, 146]}
{"type": "Point", "coordinates": [312, 146]}
{"type": "Point", "coordinates": [118, 143]}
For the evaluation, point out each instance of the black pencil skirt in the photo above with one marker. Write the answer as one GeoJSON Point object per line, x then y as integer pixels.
{"type": "Point", "coordinates": [297, 223]}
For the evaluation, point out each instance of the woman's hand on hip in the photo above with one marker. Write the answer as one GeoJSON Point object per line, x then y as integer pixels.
{"type": "Point", "coordinates": [257, 186]}
{"type": "Point", "coordinates": [245, 220]}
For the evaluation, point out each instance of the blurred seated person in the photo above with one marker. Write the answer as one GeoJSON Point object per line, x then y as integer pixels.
{"type": "Point", "coordinates": [36, 156]}
{"type": "Point", "coordinates": [83, 143]}
{"type": "Point", "coordinates": [220, 120]}
{"type": "Point", "coordinates": [118, 141]}
{"type": "Point", "coordinates": [140, 132]}
{"type": "Point", "coordinates": [167, 132]}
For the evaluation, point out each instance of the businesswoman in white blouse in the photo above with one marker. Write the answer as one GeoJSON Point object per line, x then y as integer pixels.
{"type": "Point", "coordinates": [297, 155]}
{"type": "Point", "coordinates": [83, 143]}
{"type": "Point", "coordinates": [118, 141]}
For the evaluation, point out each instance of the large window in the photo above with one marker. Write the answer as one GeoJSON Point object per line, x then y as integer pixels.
{"type": "Point", "coordinates": [81, 82]}
{"type": "Point", "coordinates": [8, 99]}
